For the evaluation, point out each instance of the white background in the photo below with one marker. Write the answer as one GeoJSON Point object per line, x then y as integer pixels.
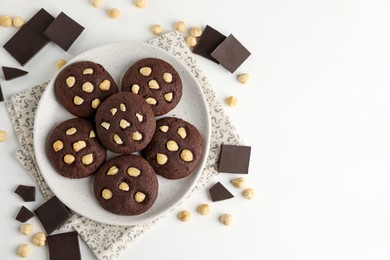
{"type": "Point", "coordinates": [316, 114]}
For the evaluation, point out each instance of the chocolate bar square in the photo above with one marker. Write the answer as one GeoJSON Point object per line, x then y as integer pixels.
{"type": "Point", "coordinates": [207, 42]}
{"type": "Point", "coordinates": [64, 246]}
{"type": "Point", "coordinates": [234, 159]}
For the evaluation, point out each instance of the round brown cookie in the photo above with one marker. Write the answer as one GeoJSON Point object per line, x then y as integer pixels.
{"type": "Point", "coordinates": [176, 148]}
{"type": "Point", "coordinates": [126, 185]}
{"type": "Point", "coordinates": [82, 86]}
{"type": "Point", "coordinates": [156, 81]}
{"type": "Point", "coordinates": [74, 150]}
{"type": "Point", "coordinates": [125, 123]}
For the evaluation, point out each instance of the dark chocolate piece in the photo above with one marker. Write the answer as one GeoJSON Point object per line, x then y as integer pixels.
{"type": "Point", "coordinates": [29, 39]}
{"type": "Point", "coordinates": [24, 214]}
{"type": "Point", "coordinates": [218, 192]}
{"type": "Point", "coordinates": [27, 193]}
{"type": "Point", "coordinates": [64, 31]}
{"type": "Point", "coordinates": [207, 42]}
{"type": "Point", "coordinates": [230, 53]}
{"type": "Point", "coordinates": [13, 73]}
{"type": "Point", "coordinates": [1, 95]}
{"type": "Point", "coordinates": [64, 246]}
{"type": "Point", "coordinates": [52, 214]}
{"type": "Point", "coordinates": [234, 159]}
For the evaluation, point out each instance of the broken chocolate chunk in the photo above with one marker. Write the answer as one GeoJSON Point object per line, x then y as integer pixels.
{"type": "Point", "coordinates": [63, 31]}
{"type": "Point", "coordinates": [24, 214]}
{"type": "Point", "coordinates": [27, 193]}
{"type": "Point", "coordinates": [13, 73]}
{"type": "Point", "coordinates": [234, 159]}
{"type": "Point", "coordinates": [230, 53]}
{"type": "Point", "coordinates": [52, 214]}
{"type": "Point", "coordinates": [207, 42]}
{"type": "Point", "coordinates": [29, 39]}
{"type": "Point", "coordinates": [218, 192]}
{"type": "Point", "coordinates": [64, 246]}
{"type": "Point", "coordinates": [1, 95]}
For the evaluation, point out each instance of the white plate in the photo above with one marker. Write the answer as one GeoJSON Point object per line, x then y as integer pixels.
{"type": "Point", "coordinates": [77, 194]}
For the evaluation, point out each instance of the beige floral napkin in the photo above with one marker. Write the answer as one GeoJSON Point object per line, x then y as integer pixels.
{"type": "Point", "coordinates": [109, 241]}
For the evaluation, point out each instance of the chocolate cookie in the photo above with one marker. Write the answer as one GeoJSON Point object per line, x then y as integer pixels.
{"type": "Point", "coordinates": [126, 185]}
{"type": "Point", "coordinates": [82, 86]}
{"type": "Point", "coordinates": [125, 123]}
{"type": "Point", "coordinates": [176, 148]}
{"type": "Point", "coordinates": [74, 150]}
{"type": "Point", "coordinates": [156, 81]}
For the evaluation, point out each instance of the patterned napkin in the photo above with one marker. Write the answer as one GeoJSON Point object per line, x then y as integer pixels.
{"type": "Point", "coordinates": [109, 241]}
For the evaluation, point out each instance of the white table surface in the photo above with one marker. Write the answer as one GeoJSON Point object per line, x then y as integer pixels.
{"type": "Point", "coordinates": [316, 113]}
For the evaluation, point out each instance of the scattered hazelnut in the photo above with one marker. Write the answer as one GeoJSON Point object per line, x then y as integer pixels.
{"type": "Point", "coordinates": [191, 41]}
{"type": "Point", "coordinates": [226, 219]}
{"type": "Point", "coordinates": [61, 63]}
{"type": "Point", "coordinates": [244, 78]}
{"type": "Point", "coordinates": [157, 29]}
{"type": "Point", "coordinates": [141, 3]}
{"type": "Point", "coordinates": [196, 32]}
{"type": "Point", "coordinates": [26, 229]}
{"type": "Point", "coordinates": [180, 26]}
{"type": "Point", "coordinates": [114, 13]}
{"type": "Point", "coordinates": [232, 101]}
{"type": "Point", "coordinates": [249, 193]}
{"type": "Point", "coordinates": [3, 136]}
{"type": "Point", "coordinates": [238, 182]}
{"type": "Point", "coordinates": [39, 239]}
{"type": "Point", "coordinates": [24, 250]}
{"type": "Point", "coordinates": [184, 215]}
{"type": "Point", "coordinates": [18, 21]}
{"type": "Point", "coordinates": [5, 21]}
{"type": "Point", "coordinates": [203, 209]}
{"type": "Point", "coordinates": [97, 3]}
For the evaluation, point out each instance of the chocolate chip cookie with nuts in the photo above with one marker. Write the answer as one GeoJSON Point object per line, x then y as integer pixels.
{"type": "Point", "coordinates": [73, 149]}
{"type": "Point", "coordinates": [156, 81]}
{"type": "Point", "coordinates": [126, 185]}
{"type": "Point", "coordinates": [82, 86]}
{"type": "Point", "coordinates": [175, 149]}
{"type": "Point", "coordinates": [125, 123]}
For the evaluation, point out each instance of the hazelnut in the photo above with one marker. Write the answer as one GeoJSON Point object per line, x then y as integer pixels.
{"type": "Point", "coordinates": [18, 21]}
{"type": "Point", "coordinates": [107, 194]}
{"type": "Point", "coordinates": [122, 107]}
{"type": "Point", "coordinates": [249, 193]}
{"type": "Point", "coordinates": [39, 239]}
{"type": "Point", "coordinates": [180, 26]}
{"type": "Point", "coordinates": [244, 78]}
{"type": "Point", "coordinates": [141, 3]}
{"type": "Point", "coordinates": [145, 71]}
{"type": "Point", "coordinates": [167, 77]}
{"type": "Point", "coordinates": [78, 100]}
{"type": "Point", "coordinates": [124, 124]}
{"type": "Point", "coordinates": [161, 159]}
{"type": "Point", "coordinates": [71, 131]}
{"type": "Point", "coordinates": [92, 134]}
{"type": "Point", "coordinates": [136, 136]}
{"type": "Point", "coordinates": [124, 186]}
{"type": "Point", "coordinates": [97, 3]}
{"type": "Point", "coordinates": [172, 146]}
{"type": "Point", "coordinates": [24, 250]}
{"type": "Point", "coordinates": [135, 88]}
{"type": "Point", "coordinates": [151, 101]}
{"type": "Point", "coordinates": [203, 209]}
{"type": "Point", "coordinates": [117, 139]}
{"type": "Point", "coordinates": [112, 171]}
{"type": "Point", "coordinates": [87, 71]}
{"type": "Point", "coordinates": [95, 103]}
{"type": "Point", "coordinates": [114, 13]}
{"type": "Point", "coordinates": [182, 132]}
{"type": "Point", "coordinates": [226, 219]}
{"type": "Point", "coordinates": [3, 136]}
{"type": "Point", "coordinates": [87, 87]}
{"type": "Point", "coordinates": [157, 29]}
{"type": "Point", "coordinates": [139, 196]}
{"type": "Point", "coordinates": [113, 111]}
{"type": "Point", "coordinates": [79, 145]}
{"type": "Point", "coordinates": [58, 145]}
{"type": "Point", "coordinates": [105, 125]}
{"type": "Point", "coordinates": [186, 155]}
{"type": "Point", "coordinates": [232, 101]}
{"type": "Point", "coordinates": [69, 159]}
{"type": "Point", "coordinates": [139, 117]}
{"type": "Point", "coordinates": [153, 84]}
{"type": "Point", "coordinates": [133, 172]}
{"type": "Point", "coordinates": [196, 32]}
{"type": "Point", "coordinates": [168, 97]}
{"type": "Point", "coordinates": [238, 182]}
{"type": "Point", "coordinates": [26, 229]}
{"type": "Point", "coordinates": [184, 215]}
{"type": "Point", "coordinates": [61, 63]}
{"type": "Point", "coordinates": [70, 81]}
{"type": "Point", "coordinates": [164, 128]}
{"type": "Point", "coordinates": [87, 159]}
{"type": "Point", "coordinates": [5, 21]}
{"type": "Point", "coordinates": [105, 85]}
{"type": "Point", "coordinates": [191, 41]}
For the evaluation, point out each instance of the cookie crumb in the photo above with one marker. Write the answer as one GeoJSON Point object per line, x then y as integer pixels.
{"type": "Point", "coordinates": [226, 219]}
{"type": "Point", "coordinates": [184, 215]}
